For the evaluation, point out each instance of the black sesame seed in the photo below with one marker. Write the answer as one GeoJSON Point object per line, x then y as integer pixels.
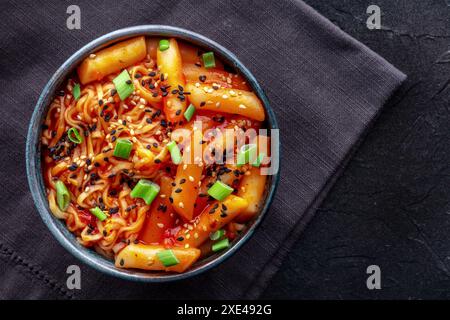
{"type": "Point", "coordinates": [113, 92]}
{"type": "Point", "coordinates": [157, 160]}
{"type": "Point", "coordinates": [113, 210]}
{"type": "Point", "coordinates": [178, 190]}
{"type": "Point", "coordinates": [152, 74]}
{"type": "Point", "coordinates": [180, 238]}
{"type": "Point", "coordinates": [148, 120]}
{"type": "Point", "coordinates": [100, 102]}
{"type": "Point", "coordinates": [137, 75]}
{"type": "Point", "coordinates": [202, 78]}
{"type": "Point", "coordinates": [128, 81]}
{"type": "Point", "coordinates": [182, 181]}
{"type": "Point", "coordinates": [178, 112]}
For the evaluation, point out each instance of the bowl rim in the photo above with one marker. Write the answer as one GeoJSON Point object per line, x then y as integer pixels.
{"type": "Point", "coordinates": [33, 157]}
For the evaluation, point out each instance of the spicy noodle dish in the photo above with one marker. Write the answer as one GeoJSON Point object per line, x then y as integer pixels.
{"type": "Point", "coordinates": [152, 154]}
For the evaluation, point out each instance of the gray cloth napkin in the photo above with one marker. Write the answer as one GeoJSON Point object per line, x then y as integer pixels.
{"type": "Point", "coordinates": [325, 88]}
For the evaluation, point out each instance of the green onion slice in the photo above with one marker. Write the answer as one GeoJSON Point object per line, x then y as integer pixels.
{"type": "Point", "coordinates": [208, 60]}
{"type": "Point", "coordinates": [174, 152]}
{"type": "Point", "coordinates": [167, 258]}
{"type": "Point", "coordinates": [217, 235]}
{"type": "Point", "coordinates": [76, 91]}
{"type": "Point", "coordinates": [220, 190]}
{"type": "Point", "coordinates": [220, 245]}
{"type": "Point", "coordinates": [259, 160]}
{"type": "Point", "coordinates": [123, 148]}
{"type": "Point", "coordinates": [62, 195]}
{"type": "Point", "coordinates": [189, 112]}
{"type": "Point", "coordinates": [74, 135]}
{"type": "Point", "coordinates": [98, 213]}
{"type": "Point", "coordinates": [246, 154]}
{"type": "Point", "coordinates": [123, 84]}
{"type": "Point", "coordinates": [145, 189]}
{"type": "Point", "coordinates": [164, 44]}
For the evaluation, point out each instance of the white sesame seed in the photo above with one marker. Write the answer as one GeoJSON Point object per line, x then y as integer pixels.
{"type": "Point", "coordinates": [92, 56]}
{"type": "Point", "coordinates": [160, 225]}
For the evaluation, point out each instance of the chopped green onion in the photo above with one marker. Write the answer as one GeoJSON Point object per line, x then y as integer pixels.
{"type": "Point", "coordinates": [164, 44]}
{"type": "Point", "coordinates": [246, 154]}
{"type": "Point", "coordinates": [259, 160]}
{"type": "Point", "coordinates": [123, 148]}
{"type": "Point", "coordinates": [76, 91]}
{"type": "Point", "coordinates": [167, 258]}
{"type": "Point", "coordinates": [62, 195]}
{"type": "Point", "coordinates": [217, 235]}
{"type": "Point", "coordinates": [220, 190]}
{"type": "Point", "coordinates": [123, 84]}
{"type": "Point", "coordinates": [74, 135]}
{"type": "Point", "coordinates": [174, 152]}
{"type": "Point", "coordinates": [145, 189]}
{"type": "Point", "coordinates": [208, 60]}
{"type": "Point", "coordinates": [98, 213]}
{"type": "Point", "coordinates": [189, 112]}
{"type": "Point", "coordinates": [220, 245]}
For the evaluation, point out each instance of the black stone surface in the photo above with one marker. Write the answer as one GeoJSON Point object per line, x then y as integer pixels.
{"type": "Point", "coordinates": [391, 206]}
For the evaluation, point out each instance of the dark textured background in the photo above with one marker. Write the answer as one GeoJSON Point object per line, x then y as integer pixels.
{"type": "Point", "coordinates": [391, 205]}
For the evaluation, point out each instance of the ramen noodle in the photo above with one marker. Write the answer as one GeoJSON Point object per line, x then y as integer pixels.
{"type": "Point", "coordinates": [147, 155]}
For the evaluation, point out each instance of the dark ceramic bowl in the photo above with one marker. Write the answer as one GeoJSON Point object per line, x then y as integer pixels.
{"type": "Point", "coordinates": [33, 154]}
